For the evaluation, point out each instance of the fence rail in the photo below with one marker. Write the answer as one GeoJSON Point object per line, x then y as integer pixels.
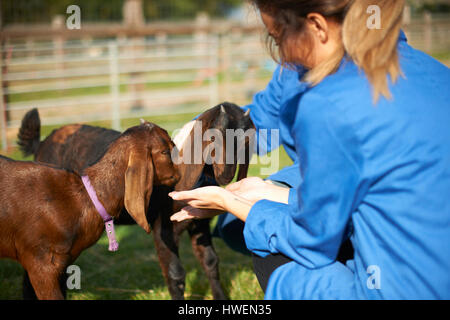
{"type": "Point", "coordinates": [74, 82]}
{"type": "Point", "coordinates": [111, 72]}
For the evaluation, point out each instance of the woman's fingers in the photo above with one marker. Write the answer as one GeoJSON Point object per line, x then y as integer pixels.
{"type": "Point", "coordinates": [207, 197]}
{"type": "Point", "coordinates": [188, 213]}
{"type": "Point", "coordinates": [199, 193]}
{"type": "Point", "coordinates": [246, 185]}
{"type": "Point", "coordinates": [182, 195]}
{"type": "Point", "coordinates": [182, 216]}
{"type": "Point", "coordinates": [233, 187]}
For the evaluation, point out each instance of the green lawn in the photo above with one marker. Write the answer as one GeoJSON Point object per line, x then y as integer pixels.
{"type": "Point", "coordinates": [133, 272]}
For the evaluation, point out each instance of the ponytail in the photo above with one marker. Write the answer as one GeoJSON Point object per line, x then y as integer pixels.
{"type": "Point", "coordinates": [374, 50]}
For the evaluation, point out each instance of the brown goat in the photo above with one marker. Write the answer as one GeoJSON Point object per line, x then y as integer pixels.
{"type": "Point", "coordinates": [74, 146]}
{"type": "Point", "coordinates": [47, 218]}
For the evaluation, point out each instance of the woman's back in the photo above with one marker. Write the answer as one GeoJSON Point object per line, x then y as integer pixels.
{"type": "Point", "coordinates": [400, 151]}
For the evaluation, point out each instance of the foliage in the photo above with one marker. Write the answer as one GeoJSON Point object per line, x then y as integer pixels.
{"type": "Point", "coordinates": [433, 6]}
{"type": "Point", "coordinates": [43, 11]}
{"type": "Point", "coordinates": [176, 9]}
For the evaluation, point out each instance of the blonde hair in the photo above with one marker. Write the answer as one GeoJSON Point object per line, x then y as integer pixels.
{"type": "Point", "coordinates": [372, 50]}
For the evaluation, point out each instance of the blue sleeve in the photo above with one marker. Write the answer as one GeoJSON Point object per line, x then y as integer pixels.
{"type": "Point", "coordinates": [293, 197]}
{"type": "Point", "coordinates": [265, 112]}
{"type": "Point", "coordinates": [311, 231]}
{"type": "Point", "coordinates": [289, 175]}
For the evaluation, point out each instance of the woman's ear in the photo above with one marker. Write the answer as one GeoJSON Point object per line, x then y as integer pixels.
{"type": "Point", "coordinates": [318, 26]}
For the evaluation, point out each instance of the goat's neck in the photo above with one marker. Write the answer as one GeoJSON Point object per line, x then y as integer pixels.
{"type": "Point", "coordinates": [108, 179]}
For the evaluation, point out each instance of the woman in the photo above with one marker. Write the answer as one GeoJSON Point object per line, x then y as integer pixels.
{"type": "Point", "coordinates": [372, 134]}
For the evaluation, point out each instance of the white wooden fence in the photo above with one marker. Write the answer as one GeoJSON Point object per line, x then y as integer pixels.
{"type": "Point", "coordinates": [86, 81]}
{"type": "Point", "coordinates": [153, 70]}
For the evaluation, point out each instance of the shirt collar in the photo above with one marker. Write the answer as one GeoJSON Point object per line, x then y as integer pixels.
{"type": "Point", "coordinates": [402, 37]}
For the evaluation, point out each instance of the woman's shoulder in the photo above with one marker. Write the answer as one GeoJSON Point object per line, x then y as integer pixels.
{"type": "Point", "coordinates": [347, 85]}
{"type": "Point", "coordinates": [345, 92]}
{"type": "Point", "coordinates": [416, 60]}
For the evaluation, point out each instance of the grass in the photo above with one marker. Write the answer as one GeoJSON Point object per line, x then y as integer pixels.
{"type": "Point", "coordinates": [133, 272]}
{"type": "Point", "coordinates": [442, 56]}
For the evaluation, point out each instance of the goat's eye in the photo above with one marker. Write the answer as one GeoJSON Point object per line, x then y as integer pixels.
{"type": "Point", "coordinates": [213, 139]}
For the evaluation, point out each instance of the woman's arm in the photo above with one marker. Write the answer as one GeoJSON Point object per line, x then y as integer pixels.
{"type": "Point", "coordinates": [209, 201]}
{"type": "Point", "coordinates": [312, 231]}
{"type": "Point", "coordinates": [237, 198]}
{"type": "Point", "coordinates": [255, 189]}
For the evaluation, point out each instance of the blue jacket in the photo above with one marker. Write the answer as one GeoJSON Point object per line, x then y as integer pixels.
{"type": "Point", "coordinates": [379, 172]}
{"type": "Point", "coordinates": [275, 108]}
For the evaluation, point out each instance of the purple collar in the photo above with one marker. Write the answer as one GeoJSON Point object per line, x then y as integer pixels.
{"type": "Point", "coordinates": [109, 223]}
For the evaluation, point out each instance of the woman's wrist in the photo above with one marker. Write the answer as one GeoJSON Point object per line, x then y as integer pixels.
{"type": "Point", "coordinates": [236, 205]}
{"type": "Point", "coordinates": [276, 192]}
{"type": "Point", "coordinates": [212, 198]}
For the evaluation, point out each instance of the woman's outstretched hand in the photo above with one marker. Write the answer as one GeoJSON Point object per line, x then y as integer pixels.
{"type": "Point", "coordinates": [214, 199]}
{"type": "Point", "coordinates": [188, 213]}
{"type": "Point", "coordinates": [211, 197]}
{"type": "Point", "coordinates": [237, 198]}
{"type": "Point", "coordinates": [255, 189]}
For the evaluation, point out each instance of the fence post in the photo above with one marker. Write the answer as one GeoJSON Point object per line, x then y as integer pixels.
{"type": "Point", "coordinates": [214, 71]}
{"type": "Point", "coordinates": [3, 121]}
{"type": "Point", "coordinates": [133, 14]}
{"type": "Point", "coordinates": [406, 20]}
{"type": "Point", "coordinates": [114, 85]}
{"type": "Point", "coordinates": [58, 44]}
{"type": "Point", "coordinates": [428, 33]}
{"type": "Point", "coordinates": [201, 35]}
{"type": "Point", "coordinates": [226, 47]}
{"type": "Point", "coordinates": [161, 40]}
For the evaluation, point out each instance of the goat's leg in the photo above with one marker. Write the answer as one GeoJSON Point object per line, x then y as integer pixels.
{"type": "Point", "coordinates": [46, 283]}
{"type": "Point", "coordinates": [28, 290]}
{"type": "Point", "coordinates": [166, 243]}
{"type": "Point", "coordinates": [46, 274]}
{"type": "Point", "coordinates": [202, 246]}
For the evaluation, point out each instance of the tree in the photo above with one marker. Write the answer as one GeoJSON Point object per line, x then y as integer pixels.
{"type": "Point", "coordinates": [184, 9]}
{"type": "Point", "coordinates": [43, 11]}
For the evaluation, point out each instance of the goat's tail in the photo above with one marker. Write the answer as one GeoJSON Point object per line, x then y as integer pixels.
{"type": "Point", "coordinates": [30, 133]}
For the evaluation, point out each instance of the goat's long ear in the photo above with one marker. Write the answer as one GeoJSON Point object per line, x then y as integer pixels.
{"type": "Point", "coordinates": [243, 170]}
{"type": "Point", "coordinates": [249, 150]}
{"type": "Point", "coordinates": [138, 187]}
